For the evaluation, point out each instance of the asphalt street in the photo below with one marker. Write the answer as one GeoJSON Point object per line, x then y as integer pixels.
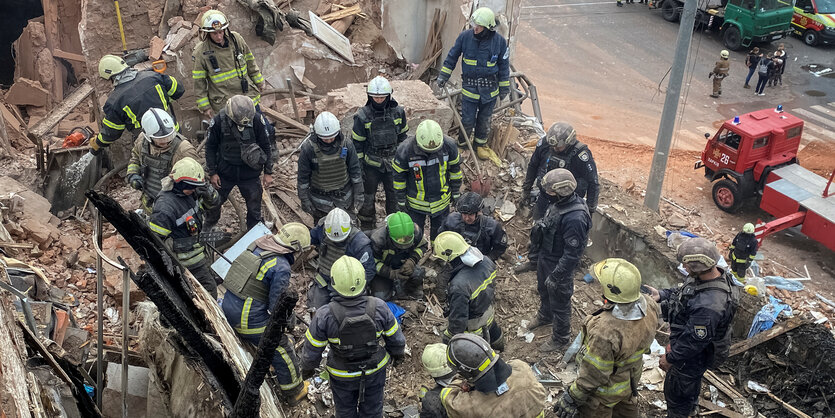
{"type": "Point", "coordinates": [605, 69]}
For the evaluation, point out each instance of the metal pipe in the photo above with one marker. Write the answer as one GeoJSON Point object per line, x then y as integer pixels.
{"type": "Point", "coordinates": [99, 312]}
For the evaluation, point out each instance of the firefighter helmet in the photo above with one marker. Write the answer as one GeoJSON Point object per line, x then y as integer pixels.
{"type": "Point", "coordinates": [379, 86]}
{"type": "Point", "coordinates": [434, 360]}
{"type": "Point", "coordinates": [559, 182]}
{"type": "Point", "coordinates": [293, 235]}
{"type": "Point", "coordinates": [241, 109]}
{"type": "Point", "coordinates": [471, 356]}
{"type": "Point", "coordinates": [213, 21]}
{"type": "Point", "coordinates": [348, 276]}
{"type": "Point", "coordinates": [401, 229]}
{"type": "Point", "coordinates": [724, 54]}
{"type": "Point", "coordinates": [620, 279]}
{"type": "Point", "coordinates": [188, 171]}
{"type": "Point", "coordinates": [449, 245]}
{"type": "Point", "coordinates": [326, 125]}
{"type": "Point", "coordinates": [337, 225]}
{"type": "Point", "coordinates": [561, 135]}
{"type": "Point", "coordinates": [748, 228]}
{"type": "Point", "coordinates": [110, 65]}
{"type": "Point", "coordinates": [469, 202]}
{"type": "Point", "coordinates": [483, 16]}
{"type": "Point", "coordinates": [158, 127]}
{"type": "Point", "coordinates": [429, 135]}
{"type": "Point", "coordinates": [698, 255]}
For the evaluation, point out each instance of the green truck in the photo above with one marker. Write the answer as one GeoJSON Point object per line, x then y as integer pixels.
{"type": "Point", "coordinates": [740, 22]}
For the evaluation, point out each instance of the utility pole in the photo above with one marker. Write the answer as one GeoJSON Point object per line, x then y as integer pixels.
{"type": "Point", "coordinates": [668, 115]}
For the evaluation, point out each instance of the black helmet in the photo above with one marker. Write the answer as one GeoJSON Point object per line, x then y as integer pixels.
{"type": "Point", "coordinates": [470, 202]}
{"type": "Point", "coordinates": [470, 356]}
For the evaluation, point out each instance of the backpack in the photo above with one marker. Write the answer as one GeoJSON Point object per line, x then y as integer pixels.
{"type": "Point", "coordinates": [357, 334]}
{"type": "Point", "coordinates": [762, 67]}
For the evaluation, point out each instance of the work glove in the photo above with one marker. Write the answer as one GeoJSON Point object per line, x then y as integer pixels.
{"type": "Point", "coordinates": [399, 276]}
{"type": "Point", "coordinates": [455, 198]}
{"type": "Point", "coordinates": [205, 192]}
{"type": "Point", "coordinates": [136, 181]}
{"type": "Point", "coordinates": [503, 92]}
{"type": "Point", "coordinates": [566, 406]}
{"type": "Point", "coordinates": [95, 148]}
{"type": "Point", "coordinates": [398, 360]}
{"type": "Point", "coordinates": [307, 205]}
{"type": "Point", "coordinates": [526, 197]}
{"type": "Point", "coordinates": [359, 196]}
{"type": "Point", "coordinates": [442, 81]}
{"type": "Point", "coordinates": [709, 75]}
{"type": "Point", "coordinates": [385, 271]}
{"type": "Point", "coordinates": [308, 373]}
{"type": "Point", "coordinates": [401, 206]}
{"type": "Point", "coordinates": [408, 267]}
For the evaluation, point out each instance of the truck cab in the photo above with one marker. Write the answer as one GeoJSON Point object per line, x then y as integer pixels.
{"type": "Point", "coordinates": [741, 154]}
{"type": "Point", "coordinates": [814, 21]}
{"type": "Point", "coordinates": [748, 21]}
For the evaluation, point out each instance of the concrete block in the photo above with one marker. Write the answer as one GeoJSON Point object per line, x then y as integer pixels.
{"type": "Point", "coordinates": [27, 92]}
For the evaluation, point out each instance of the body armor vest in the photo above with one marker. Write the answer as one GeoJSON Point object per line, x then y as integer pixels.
{"type": "Point", "coordinates": [156, 167]}
{"type": "Point", "coordinates": [556, 160]}
{"type": "Point", "coordinates": [383, 135]}
{"type": "Point", "coordinates": [332, 170]}
{"type": "Point", "coordinates": [546, 229]}
{"type": "Point", "coordinates": [329, 252]}
{"type": "Point", "coordinates": [240, 279]}
{"type": "Point", "coordinates": [230, 144]}
{"type": "Point", "coordinates": [357, 335]}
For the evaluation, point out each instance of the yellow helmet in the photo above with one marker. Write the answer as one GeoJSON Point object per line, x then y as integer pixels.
{"type": "Point", "coordinates": [293, 235]}
{"type": "Point", "coordinates": [620, 279]}
{"type": "Point", "coordinates": [449, 245]}
{"type": "Point", "coordinates": [483, 16]}
{"type": "Point", "coordinates": [110, 65]}
{"type": "Point", "coordinates": [724, 54]}
{"type": "Point", "coordinates": [748, 228]}
{"type": "Point", "coordinates": [213, 21]}
{"type": "Point", "coordinates": [429, 135]}
{"type": "Point", "coordinates": [434, 360]}
{"type": "Point", "coordinates": [188, 170]}
{"type": "Point", "coordinates": [348, 276]}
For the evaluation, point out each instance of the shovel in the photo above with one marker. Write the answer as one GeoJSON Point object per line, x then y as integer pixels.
{"type": "Point", "coordinates": [482, 184]}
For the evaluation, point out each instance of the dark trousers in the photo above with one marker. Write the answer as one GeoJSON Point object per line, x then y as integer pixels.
{"type": "Point", "coordinates": [751, 70]}
{"type": "Point", "coordinates": [285, 362]}
{"type": "Point", "coordinates": [318, 296]}
{"type": "Point", "coordinates": [204, 274]}
{"type": "Point", "coordinates": [739, 267]}
{"type": "Point", "coordinates": [250, 190]}
{"type": "Point", "coordinates": [478, 115]}
{"type": "Point", "coordinates": [372, 177]}
{"type": "Point", "coordinates": [347, 402]}
{"type": "Point", "coordinates": [682, 387]}
{"type": "Point", "coordinates": [435, 220]}
{"type": "Point", "coordinates": [761, 83]}
{"type": "Point", "coordinates": [555, 299]}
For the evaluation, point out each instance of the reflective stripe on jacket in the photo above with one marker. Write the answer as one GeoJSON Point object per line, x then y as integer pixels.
{"type": "Point", "coordinates": [213, 86]}
{"type": "Point", "coordinates": [427, 180]}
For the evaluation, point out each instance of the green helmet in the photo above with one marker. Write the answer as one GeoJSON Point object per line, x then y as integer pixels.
{"type": "Point", "coordinates": [449, 245]}
{"type": "Point", "coordinates": [620, 279]}
{"type": "Point", "coordinates": [748, 228]}
{"type": "Point", "coordinates": [483, 16]}
{"type": "Point", "coordinates": [401, 229]}
{"type": "Point", "coordinates": [348, 276]}
{"type": "Point", "coordinates": [429, 135]}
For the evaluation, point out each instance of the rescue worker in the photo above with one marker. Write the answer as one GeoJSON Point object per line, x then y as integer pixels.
{"type": "Point", "coordinates": [614, 341]}
{"type": "Point", "coordinates": [720, 71]}
{"type": "Point", "coordinates": [471, 290]}
{"type": "Point", "coordinates": [488, 386]}
{"type": "Point", "coordinates": [379, 127]}
{"type": "Point", "coordinates": [700, 314]}
{"type": "Point", "coordinates": [485, 74]}
{"type": "Point", "coordinates": [559, 148]}
{"type": "Point", "coordinates": [334, 238]}
{"type": "Point", "coordinates": [742, 251]}
{"type": "Point", "coordinates": [557, 243]}
{"type": "Point", "coordinates": [238, 150]}
{"type": "Point", "coordinates": [398, 247]}
{"type": "Point", "coordinates": [435, 363]}
{"type": "Point", "coordinates": [223, 66]}
{"type": "Point", "coordinates": [353, 325]}
{"type": "Point", "coordinates": [329, 172]}
{"type": "Point", "coordinates": [154, 153]}
{"type": "Point", "coordinates": [427, 176]}
{"type": "Point", "coordinates": [254, 284]}
{"type": "Point", "coordinates": [134, 92]}
{"type": "Point", "coordinates": [478, 229]}
{"type": "Point", "coordinates": [178, 217]}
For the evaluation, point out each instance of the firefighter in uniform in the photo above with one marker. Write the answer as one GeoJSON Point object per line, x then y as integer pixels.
{"type": "Point", "coordinates": [488, 386]}
{"type": "Point", "coordinates": [134, 92]}
{"type": "Point", "coordinates": [329, 172]}
{"type": "Point", "coordinates": [237, 151]}
{"type": "Point", "coordinates": [398, 246]}
{"type": "Point", "coordinates": [435, 363]}
{"type": "Point", "coordinates": [427, 176]}
{"type": "Point", "coordinates": [557, 243]}
{"type": "Point", "coordinates": [254, 284]}
{"type": "Point", "coordinates": [353, 324]}
{"type": "Point", "coordinates": [379, 127]}
{"type": "Point", "coordinates": [485, 73]}
{"type": "Point", "coordinates": [478, 229]}
{"type": "Point", "coordinates": [742, 251]}
{"type": "Point", "coordinates": [178, 216]}
{"type": "Point", "coordinates": [471, 289]}
{"type": "Point", "coordinates": [700, 314]}
{"type": "Point", "coordinates": [334, 238]}
{"type": "Point", "coordinates": [223, 66]}
{"type": "Point", "coordinates": [156, 150]}
{"type": "Point", "coordinates": [720, 71]}
{"type": "Point", "coordinates": [615, 339]}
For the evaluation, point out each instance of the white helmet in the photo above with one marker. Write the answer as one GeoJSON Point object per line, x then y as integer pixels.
{"type": "Point", "coordinates": [379, 86]}
{"type": "Point", "coordinates": [326, 125]}
{"type": "Point", "coordinates": [337, 225]}
{"type": "Point", "coordinates": [158, 126]}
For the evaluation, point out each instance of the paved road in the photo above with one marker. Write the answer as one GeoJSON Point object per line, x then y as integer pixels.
{"type": "Point", "coordinates": [599, 67]}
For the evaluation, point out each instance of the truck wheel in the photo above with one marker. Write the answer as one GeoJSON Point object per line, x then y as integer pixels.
{"type": "Point", "coordinates": [810, 37]}
{"type": "Point", "coordinates": [669, 11]}
{"type": "Point", "coordinates": [732, 38]}
{"type": "Point", "coordinates": [726, 196]}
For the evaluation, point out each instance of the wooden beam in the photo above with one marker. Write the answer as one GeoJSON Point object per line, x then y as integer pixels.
{"type": "Point", "coordinates": [50, 13]}
{"type": "Point", "coordinates": [60, 111]}
{"type": "Point", "coordinates": [287, 120]}
{"type": "Point", "coordinates": [350, 11]}
{"type": "Point", "coordinates": [764, 336]}
{"type": "Point", "coordinates": [793, 410]}
{"type": "Point", "coordinates": [723, 386]}
{"type": "Point", "coordinates": [725, 412]}
{"type": "Point", "coordinates": [57, 53]}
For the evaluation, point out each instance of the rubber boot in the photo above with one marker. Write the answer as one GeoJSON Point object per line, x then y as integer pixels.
{"type": "Point", "coordinates": [485, 153]}
{"type": "Point", "coordinates": [499, 344]}
{"type": "Point", "coordinates": [294, 396]}
{"type": "Point", "coordinates": [537, 322]}
{"type": "Point", "coordinates": [552, 347]}
{"type": "Point", "coordinates": [525, 267]}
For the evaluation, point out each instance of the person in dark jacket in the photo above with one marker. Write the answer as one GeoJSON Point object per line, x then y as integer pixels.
{"type": "Point", "coordinates": [379, 127]}
{"type": "Point", "coordinates": [742, 251]}
{"type": "Point", "coordinates": [557, 244]}
{"type": "Point", "coordinates": [329, 173]}
{"type": "Point", "coordinates": [398, 247]}
{"type": "Point", "coordinates": [485, 76]}
{"type": "Point", "coordinates": [751, 62]}
{"type": "Point", "coordinates": [178, 217]}
{"type": "Point", "coordinates": [427, 175]}
{"type": "Point", "coordinates": [334, 237]}
{"type": "Point", "coordinates": [478, 229]}
{"type": "Point", "coordinates": [353, 324]}
{"type": "Point", "coordinates": [762, 74]}
{"type": "Point", "coordinates": [238, 150]}
{"type": "Point", "coordinates": [254, 283]}
{"type": "Point", "coordinates": [471, 290]}
{"type": "Point", "coordinates": [134, 92]}
{"type": "Point", "coordinates": [700, 314]}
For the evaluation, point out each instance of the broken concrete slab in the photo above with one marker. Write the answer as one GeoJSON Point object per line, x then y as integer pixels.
{"type": "Point", "coordinates": [155, 48]}
{"type": "Point", "coordinates": [27, 92]}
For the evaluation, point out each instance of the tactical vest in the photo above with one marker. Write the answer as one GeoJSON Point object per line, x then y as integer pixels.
{"type": "Point", "coordinates": [382, 138]}
{"type": "Point", "coordinates": [556, 160]}
{"type": "Point", "coordinates": [328, 253]}
{"type": "Point", "coordinates": [545, 231]}
{"type": "Point", "coordinates": [470, 236]}
{"type": "Point", "coordinates": [230, 144]}
{"type": "Point", "coordinates": [357, 335]}
{"type": "Point", "coordinates": [332, 170]}
{"type": "Point", "coordinates": [154, 168]}
{"type": "Point", "coordinates": [241, 277]}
